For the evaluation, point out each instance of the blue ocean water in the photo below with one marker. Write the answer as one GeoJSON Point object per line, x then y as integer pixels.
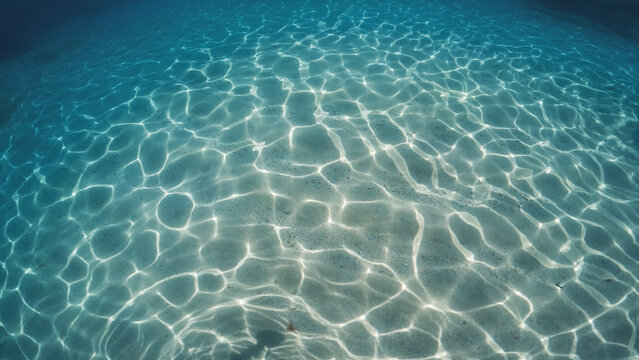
{"type": "Point", "coordinates": [321, 180]}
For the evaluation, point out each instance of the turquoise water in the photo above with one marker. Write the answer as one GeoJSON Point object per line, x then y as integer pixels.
{"type": "Point", "coordinates": [321, 180]}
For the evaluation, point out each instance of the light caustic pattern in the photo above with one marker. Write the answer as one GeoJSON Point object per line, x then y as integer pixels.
{"type": "Point", "coordinates": [385, 180]}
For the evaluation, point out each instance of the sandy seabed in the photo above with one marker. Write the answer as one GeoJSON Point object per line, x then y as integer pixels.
{"type": "Point", "coordinates": [320, 180]}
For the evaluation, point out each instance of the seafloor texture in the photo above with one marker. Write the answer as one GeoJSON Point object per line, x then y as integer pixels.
{"type": "Point", "coordinates": [320, 179]}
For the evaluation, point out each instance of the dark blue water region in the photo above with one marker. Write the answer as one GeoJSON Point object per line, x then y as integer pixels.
{"type": "Point", "coordinates": [620, 17]}
{"type": "Point", "coordinates": [25, 23]}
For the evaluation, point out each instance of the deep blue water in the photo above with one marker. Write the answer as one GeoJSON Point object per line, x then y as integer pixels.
{"type": "Point", "coordinates": [319, 180]}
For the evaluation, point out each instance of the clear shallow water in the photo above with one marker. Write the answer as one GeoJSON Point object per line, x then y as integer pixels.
{"type": "Point", "coordinates": [387, 180]}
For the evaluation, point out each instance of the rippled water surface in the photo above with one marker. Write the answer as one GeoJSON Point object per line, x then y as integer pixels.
{"type": "Point", "coordinates": [321, 180]}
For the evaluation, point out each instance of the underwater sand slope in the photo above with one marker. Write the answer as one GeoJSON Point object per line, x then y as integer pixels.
{"type": "Point", "coordinates": [316, 180]}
